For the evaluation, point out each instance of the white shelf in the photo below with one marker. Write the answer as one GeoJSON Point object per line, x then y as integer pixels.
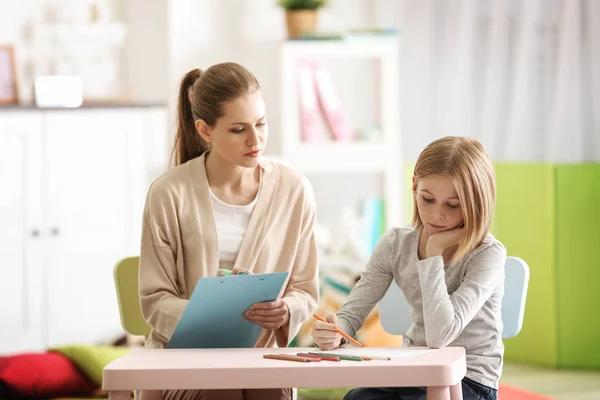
{"type": "Point", "coordinates": [333, 157]}
{"type": "Point", "coordinates": [349, 48]}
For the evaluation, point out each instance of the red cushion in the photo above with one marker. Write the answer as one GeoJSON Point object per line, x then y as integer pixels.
{"type": "Point", "coordinates": [42, 375]}
{"type": "Point", "coordinates": [3, 362]}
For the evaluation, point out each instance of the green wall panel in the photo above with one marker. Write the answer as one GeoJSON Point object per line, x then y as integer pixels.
{"type": "Point", "coordinates": [523, 221]}
{"type": "Point", "coordinates": [578, 272]}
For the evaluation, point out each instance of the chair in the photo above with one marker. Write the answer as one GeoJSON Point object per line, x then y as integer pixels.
{"type": "Point", "coordinates": [396, 318]}
{"type": "Point", "coordinates": [126, 283]}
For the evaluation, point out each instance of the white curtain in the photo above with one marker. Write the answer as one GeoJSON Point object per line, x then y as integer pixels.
{"type": "Point", "coordinates": [523, 76]}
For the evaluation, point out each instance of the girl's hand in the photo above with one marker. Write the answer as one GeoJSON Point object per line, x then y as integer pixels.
{"type": "Point", "coordinates": [324, 333]}
{"type": "Point", "coordinates": [269, 315]}
{"type": "Point", "coordinates": [438, 242]}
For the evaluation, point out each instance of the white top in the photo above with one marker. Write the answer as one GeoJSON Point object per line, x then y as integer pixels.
{"type": "Point", "coordinates": [231, 222]}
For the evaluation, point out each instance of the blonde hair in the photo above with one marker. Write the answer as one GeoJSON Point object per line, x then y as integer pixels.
{"type": "Point", "coordinates": [466, 163]}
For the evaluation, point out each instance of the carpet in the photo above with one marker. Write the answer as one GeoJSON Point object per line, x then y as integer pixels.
{"type": "Point", "coordinates": [506, 392]}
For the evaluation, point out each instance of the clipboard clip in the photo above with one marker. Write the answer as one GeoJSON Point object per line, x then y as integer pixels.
{"type": "Point", "coordinates": [228, 272]}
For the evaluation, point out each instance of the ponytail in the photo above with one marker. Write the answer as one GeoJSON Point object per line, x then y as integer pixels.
{"type": "Point", "coordinates": [188, 143]}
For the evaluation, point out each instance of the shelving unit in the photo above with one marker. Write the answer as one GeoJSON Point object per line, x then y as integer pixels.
{"type": "Point", "coordinates": [330, 157]}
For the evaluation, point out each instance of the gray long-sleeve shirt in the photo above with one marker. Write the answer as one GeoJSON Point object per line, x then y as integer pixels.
{"type": "Point", "coordinates": [451, 306]}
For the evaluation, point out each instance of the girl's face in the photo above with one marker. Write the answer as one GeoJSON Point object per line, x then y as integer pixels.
{"type": "Point", "coordinates": [240, 135]}
{"type": "Point", "coordinates": [438, 204]}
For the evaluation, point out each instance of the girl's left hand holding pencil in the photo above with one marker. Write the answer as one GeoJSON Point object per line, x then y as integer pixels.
{"type": "Point", "coordinates": [269, 315]}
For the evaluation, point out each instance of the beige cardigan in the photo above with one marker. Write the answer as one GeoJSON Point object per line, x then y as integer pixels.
{"type": "Point", "coordinates": [179, 246]}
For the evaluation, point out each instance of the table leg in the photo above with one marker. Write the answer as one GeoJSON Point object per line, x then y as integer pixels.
{"type": "Point", "coordinates": [150, 395]}
{"type": "Point", "coordinates": [456, 391]}
{"type": "Point", "coordinates": [119, 395]}
{"type": "Point", "coordinates": [438, 393]}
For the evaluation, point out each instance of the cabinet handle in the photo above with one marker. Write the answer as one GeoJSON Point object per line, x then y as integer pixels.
{"type": "Point", "coordinates": [55, 231]}
{"type": "Point", "coordinates": [35, 233]}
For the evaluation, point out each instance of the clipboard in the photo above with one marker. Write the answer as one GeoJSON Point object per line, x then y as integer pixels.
{"type": "Point", "coordinates": [213, 315]}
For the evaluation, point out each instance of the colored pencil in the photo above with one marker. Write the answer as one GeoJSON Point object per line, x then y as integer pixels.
{"type": "Point", "coordinates": [369, 358]}
{"type": "Point", "coordinates": [289, 357]}
{"type": "Point", "coordinates": [344, 334]}
{"type": "Point", "coordinates": [366, 358]}
{"type": "Point", "coordinates": [324, 358]}
{"type": "Point", "coordinates": [340, 356]}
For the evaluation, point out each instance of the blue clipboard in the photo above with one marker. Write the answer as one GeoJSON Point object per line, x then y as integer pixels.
{"type": "Point", "coordinates": [213, 316]}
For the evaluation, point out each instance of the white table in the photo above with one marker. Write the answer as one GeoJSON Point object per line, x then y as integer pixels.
{"type": "Point", "coordinates": [440, 370]}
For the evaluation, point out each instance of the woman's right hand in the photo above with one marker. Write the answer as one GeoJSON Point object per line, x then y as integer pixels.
{"type": "Point", "coordinates": [325, 333]}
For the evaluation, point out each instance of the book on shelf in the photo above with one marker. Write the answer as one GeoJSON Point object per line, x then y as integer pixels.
{"type": "Point", "coordinates": [373, 225]}
{"type": "Point", "coordinates": [317, 96]}
{"type": "Point", "coordinates": [331, 106]}
{"type": "Point", "coordinates": [309, 105]}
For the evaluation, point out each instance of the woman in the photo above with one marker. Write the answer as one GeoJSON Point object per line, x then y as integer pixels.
{"type": "Point", "coordinates": [225, 207]}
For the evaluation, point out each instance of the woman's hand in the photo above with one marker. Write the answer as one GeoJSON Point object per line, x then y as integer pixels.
{"type": "Point", "coordinates": [269, 315]}
{"type": "Point", "coordinates": [325, 333]}
{"type": "Point", "coordinates": [438, 242]}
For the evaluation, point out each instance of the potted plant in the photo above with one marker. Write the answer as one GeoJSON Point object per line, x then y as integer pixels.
{"type": "Point", "coordinates": [301, 16]}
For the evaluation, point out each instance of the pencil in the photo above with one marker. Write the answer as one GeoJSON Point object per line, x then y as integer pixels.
{"type": "Point", "coordinates": [340, 356]}
{"type": "Point", "coordinates": [344, 334]}
{"type": "Point", "coordinates": [368, 358]}
{"type": "Point", "coordinates": [289, 357]}
{"type": "Point", "coordinates": [322, 357]}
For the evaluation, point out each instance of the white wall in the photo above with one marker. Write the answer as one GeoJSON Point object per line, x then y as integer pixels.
{"type": "Point", "coordinates": [145, 54]}
{"type": "Point", "coordinates": [14, 15]}
{"type": "Point", "coordinates": [55, 37]}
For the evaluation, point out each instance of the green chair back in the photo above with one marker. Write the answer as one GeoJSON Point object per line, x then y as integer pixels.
{"type": "Point", "coordinates": [126, 283]}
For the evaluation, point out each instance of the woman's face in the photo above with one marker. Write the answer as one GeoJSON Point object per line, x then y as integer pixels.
{"type": "Point", "coordinates": [438, 204]}
{"type": "Point", "coordinates": [240, 135]}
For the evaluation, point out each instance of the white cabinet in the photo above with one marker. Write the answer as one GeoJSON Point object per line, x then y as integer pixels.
{"type": "Point", "coordinates": [73, 191]}
{"type": "Point", "coordinates": [20, 256]}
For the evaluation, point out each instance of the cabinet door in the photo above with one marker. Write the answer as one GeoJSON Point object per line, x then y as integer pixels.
{"type": "Point", "coordinates": [94, 199]}
{"type": "Point", "coordinates": [20, 232]}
